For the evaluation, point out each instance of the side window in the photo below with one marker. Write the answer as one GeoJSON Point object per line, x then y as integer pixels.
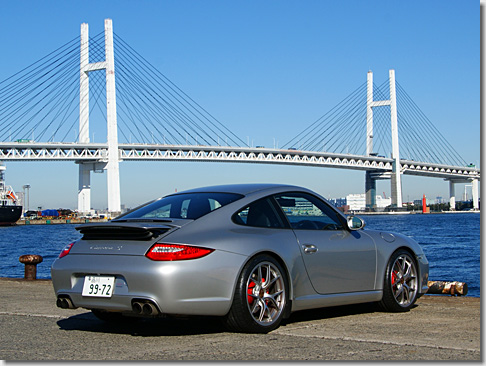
{"type": "Point", "coordinates": [306, 212]}
{"type": "Point", "coordinates": [261, 213]}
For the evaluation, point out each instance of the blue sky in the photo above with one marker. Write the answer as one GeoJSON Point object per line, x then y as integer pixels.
{"type": "Point", "coordinates": [266, 70]}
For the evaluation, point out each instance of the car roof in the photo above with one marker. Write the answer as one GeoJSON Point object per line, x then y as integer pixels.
{"type": "Point", "coordinates": [244, 189]}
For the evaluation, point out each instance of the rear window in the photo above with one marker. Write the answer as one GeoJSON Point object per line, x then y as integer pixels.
{"type": "Point", "coordinates": [183, 206]}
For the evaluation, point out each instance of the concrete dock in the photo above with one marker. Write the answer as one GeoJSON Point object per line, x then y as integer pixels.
{"type": "Point", "coordinates": [438, 328]}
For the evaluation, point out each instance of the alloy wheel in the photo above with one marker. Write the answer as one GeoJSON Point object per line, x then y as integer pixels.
{"type": "Point", "coordinates": [266, 293]}
{"type": "Point", "coordinates": [404, 280]}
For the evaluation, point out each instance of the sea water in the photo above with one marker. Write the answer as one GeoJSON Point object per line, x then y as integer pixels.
{"type": "Point", "coordinates": [451, 243]}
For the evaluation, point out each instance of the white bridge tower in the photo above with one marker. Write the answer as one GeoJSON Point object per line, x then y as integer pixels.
{"type": "Point", "coordinates": [111, 164]}
{"type": "Point", "coordinates": [396, 182]}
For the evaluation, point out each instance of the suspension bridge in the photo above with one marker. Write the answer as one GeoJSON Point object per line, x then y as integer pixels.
{"type": "Point", "coordinates": [149, 118]}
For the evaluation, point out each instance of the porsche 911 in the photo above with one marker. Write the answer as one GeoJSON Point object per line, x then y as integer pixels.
{"type": "Point", "coordinates": [251, 254]}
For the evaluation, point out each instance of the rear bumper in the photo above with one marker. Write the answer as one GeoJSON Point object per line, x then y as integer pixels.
{"type": "Point", "coordinates": [203, 286]}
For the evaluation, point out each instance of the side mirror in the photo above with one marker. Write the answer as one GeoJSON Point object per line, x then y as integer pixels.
{"type": "Point", "coordinates": [355, 223]}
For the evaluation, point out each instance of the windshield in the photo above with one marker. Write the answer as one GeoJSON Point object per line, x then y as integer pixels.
{"type": "Point", "coordinates": [182, 206]}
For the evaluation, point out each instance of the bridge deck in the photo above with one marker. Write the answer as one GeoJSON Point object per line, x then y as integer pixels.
{"type": "Point", "coordinates": [97, 152]}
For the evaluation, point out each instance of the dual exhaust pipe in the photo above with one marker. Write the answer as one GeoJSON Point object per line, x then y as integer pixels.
{"type": "Point", "coordinates": [139, 307]}
{"type": "Point", "coordinates": [147, 308]}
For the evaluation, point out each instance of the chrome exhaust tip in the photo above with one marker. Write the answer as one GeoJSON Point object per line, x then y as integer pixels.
{"type": "Point", "coordinates": [65, 303]}
{"type": "Point", "coordinates": [144, 307]}
{"type": "Point", "coordinates": [69, 303]}
{"type": "Point", "coordinates": [149, 309]}
{"type": "Point", "coordinates": [137, 308]}
{"type": "Point", "coordinates": [62, 303]}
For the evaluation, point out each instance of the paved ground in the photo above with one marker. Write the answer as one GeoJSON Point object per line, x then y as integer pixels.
{"type": "Point", "coordinates": [438, 328]}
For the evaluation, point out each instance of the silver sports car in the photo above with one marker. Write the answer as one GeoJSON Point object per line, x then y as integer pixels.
{"type": "Point", "coordinates": [250, 253]}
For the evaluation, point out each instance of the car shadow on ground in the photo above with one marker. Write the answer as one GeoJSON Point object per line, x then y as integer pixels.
{"type": "Point", "coordinates": [181, 326]}
{"type": "Point", "coordinates": [331, 312]}
{"type": "Point", "coordinates": [144, 327]}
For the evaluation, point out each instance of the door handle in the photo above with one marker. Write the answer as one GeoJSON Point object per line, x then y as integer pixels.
{"type": "Point", "coordinates": [309, 248]}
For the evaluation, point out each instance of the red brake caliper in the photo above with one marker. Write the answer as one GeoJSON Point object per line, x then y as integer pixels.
{"type": "Point", "coordinates": [394, 278]}
{"type": "Point", "coordinates": [250, 291]}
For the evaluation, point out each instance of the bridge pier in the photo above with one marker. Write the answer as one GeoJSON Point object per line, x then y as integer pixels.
{"type": "Point", "coordinates": [475, 192]}
{"type": "Point", "coordinates": [370, 190]}
{"type": "Point", "coordinates": [84, 189]}
{"type": "Point", "coordinates": [396, 187]}
{"type": "Point", "coordinates": [84, 185]}
{"type": "Point", "coordinates": [452, 195]}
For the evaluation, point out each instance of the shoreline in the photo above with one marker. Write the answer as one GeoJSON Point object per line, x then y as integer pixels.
{"type": "Point", "coordinates": [415, 213]}
{"type": "Point", "coordinates": [358, 213]}
{"type": "Point", "coordinates": [57, 221]}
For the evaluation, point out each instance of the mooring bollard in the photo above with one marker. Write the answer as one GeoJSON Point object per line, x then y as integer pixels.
{"type": "Point", "coordinates": [31, 261]}
{"type": "Point", "coordinates": [447, 288]}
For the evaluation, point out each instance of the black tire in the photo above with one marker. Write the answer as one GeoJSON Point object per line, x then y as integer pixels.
{"type": "Point", "coordinates": [401, 283]}
{"type": "Point", "coordinates": [259, 304]}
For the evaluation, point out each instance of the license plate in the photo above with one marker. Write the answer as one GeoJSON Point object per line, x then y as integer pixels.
{"type": "Point", "coordinates": [98, 286]}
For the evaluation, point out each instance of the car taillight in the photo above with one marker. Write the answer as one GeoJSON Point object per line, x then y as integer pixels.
{"type": "Point", "coordinates": [66, 250]}
{"type": "Point", "coordinates": [175, 252]}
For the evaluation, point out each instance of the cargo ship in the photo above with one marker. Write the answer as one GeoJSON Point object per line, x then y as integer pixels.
{"type": "Point", "coordinates": [10, 209]}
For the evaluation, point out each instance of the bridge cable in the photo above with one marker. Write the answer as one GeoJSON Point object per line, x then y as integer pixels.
{"type": "Point", "coordinates": [446, 148]}
{"type": "Point", "coordinates": [156, 103]}
{"type": "Point", "coordinates": [323, 122]}
{"type": "Point", "coordinates": [190, 103]}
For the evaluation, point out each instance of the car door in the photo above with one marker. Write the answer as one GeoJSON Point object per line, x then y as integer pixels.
{"type": "Point", "coordinates": [337, 260]}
